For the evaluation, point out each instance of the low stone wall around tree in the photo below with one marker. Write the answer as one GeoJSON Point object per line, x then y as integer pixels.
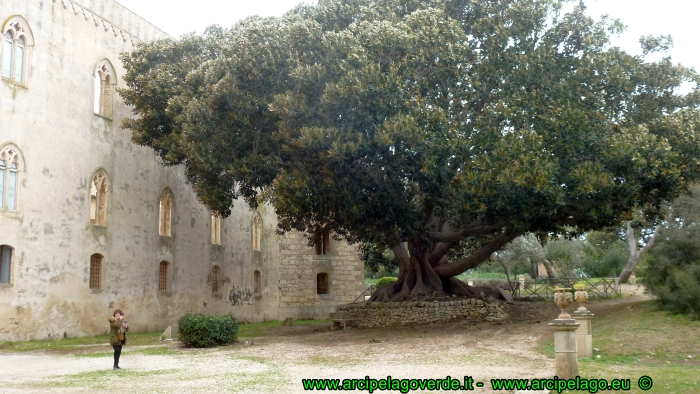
{"type": "Point", "coordinates": [379, 314]}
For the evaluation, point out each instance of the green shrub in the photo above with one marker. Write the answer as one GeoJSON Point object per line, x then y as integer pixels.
{"type": "Point", "coordinates": [673, 273]}
{"type": "Point", "coordinates": [199, 330]}
{"type": "Point", "coordinates": [672, 270]}
{"type": "Point", "coordinates": [386, 280]}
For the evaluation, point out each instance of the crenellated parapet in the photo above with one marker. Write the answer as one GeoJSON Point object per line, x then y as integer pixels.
{"type": "Point", "coordinates": [114, 19]}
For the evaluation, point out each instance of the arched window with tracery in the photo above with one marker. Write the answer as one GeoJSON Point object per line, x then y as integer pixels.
{"type": "Point", "coordinates": [9, 178]}
{"type": "Point", "coordinates": [216, 229]}
{"type": "Point", "coordinates": [257, 231]}
{"type": "Point", "coordinates": [17, 39]}
{"type": "Point", "coordinates": [96, 271]}
{"type": "Point", "coordinates": [105, 80]}
{"type": "Point", "coordinates": [163, 276]}
{"type": "Point", "coordinates": [166, 211]}
{"type": "Point", "coordinates": [98, 198]}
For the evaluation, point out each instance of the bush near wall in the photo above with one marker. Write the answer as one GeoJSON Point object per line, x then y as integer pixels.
{"type": "Point", "coordinates": [386, 280]}
{"type": "Point", "coordinates": [199, 330]}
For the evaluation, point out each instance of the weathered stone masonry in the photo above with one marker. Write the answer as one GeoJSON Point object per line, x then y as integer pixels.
{"type": "Point", "coordinates": [62, 142]}
{"type": "Point", "coordinates": [378, 314]}
{"type": "Point", "coordinates": [298, 270]}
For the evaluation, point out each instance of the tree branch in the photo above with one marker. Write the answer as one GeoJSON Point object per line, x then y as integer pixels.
{"type": "Point", "coordinates": [630, 238]}
{"type": "Point", "coordinates": [474, 228]}
{"type": "Point", "coordinates": [476, 258]}
{"type": "Point", "coordinates": [440, 251]}
{"type": "Point", "coordinates": [450, 240]}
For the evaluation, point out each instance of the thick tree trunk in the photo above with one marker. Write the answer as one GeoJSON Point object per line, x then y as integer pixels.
{"type": "Point", "coordinates": [423, 275]}
{"type": "Point", "coordinates": [550, 271]}
{"type": "Point", "coordinates": [418, 279]}
{"type": "Point", "coordinates": [635, 255]}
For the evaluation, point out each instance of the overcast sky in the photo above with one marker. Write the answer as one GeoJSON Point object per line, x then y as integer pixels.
{"type": "Point", "coordinates": [642, 17]}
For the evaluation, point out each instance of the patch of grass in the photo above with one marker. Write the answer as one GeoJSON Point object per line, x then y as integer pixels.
{"type": "Point", "coordinates": [252, 330]}
{"type": "Point", "coordinates": [640, 340]}
{"type": "Point", "coordinates": [137, 339]}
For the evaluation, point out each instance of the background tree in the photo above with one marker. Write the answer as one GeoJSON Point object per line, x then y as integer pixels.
{"type": "Point", "coordinates": [606, 253]}
{"type": "Point", "coordinates": [378, 261]}
{"type": "Point", "coordinates": [637, 251]}
{"type": "Point", "coordinates": [521, 255]}
{"type": "Point", "coordinates": [566, 255]}
{"type": "Point", "coordinates": [441, 130]}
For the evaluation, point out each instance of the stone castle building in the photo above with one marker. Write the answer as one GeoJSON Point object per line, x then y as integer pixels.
{"type": "Point", "coordinates": [90, 222]}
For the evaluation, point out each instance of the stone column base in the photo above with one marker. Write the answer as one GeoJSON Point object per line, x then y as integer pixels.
{"type": "Point", "coordinates": [566, 359]}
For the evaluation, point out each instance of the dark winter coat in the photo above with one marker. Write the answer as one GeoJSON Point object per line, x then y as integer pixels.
{"type": "Point", "coordinates": [114, 326]}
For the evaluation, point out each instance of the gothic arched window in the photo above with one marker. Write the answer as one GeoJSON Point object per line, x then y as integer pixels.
{"type": "Point", "coordinates": [166, 211]}
{"type": "Point", "coordinates": [98, 198]}
{"type": "Point", "coordinates": [216, 229]}
{"type": "Point", "coordinates": [105, 80]}
{"type": "Point", "coordinates": [257, 231]}
{"type": "Point", "coordinates": [9, 178]}
{"type": "Point", "coordinates": [17, 39]}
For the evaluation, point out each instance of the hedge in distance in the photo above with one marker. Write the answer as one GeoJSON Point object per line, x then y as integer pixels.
{"type": "Point", "coordinates": [386, 280]}
{"type": "Point", "coordinates": [199, 330]}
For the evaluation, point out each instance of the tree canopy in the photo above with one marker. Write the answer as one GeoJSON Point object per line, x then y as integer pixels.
{"type": "Point", "coordinates": [439, 129]}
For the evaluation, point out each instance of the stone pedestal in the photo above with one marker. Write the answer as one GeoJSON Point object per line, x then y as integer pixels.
{"type": "Point", "coordinates": [584, 335]}
{"type": "Point", "coordinates": [566, 360]}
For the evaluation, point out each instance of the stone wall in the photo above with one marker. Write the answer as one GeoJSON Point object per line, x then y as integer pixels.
{"type": "Point", "coordinates": [378, 314]}
{"type": "Point", "coordinates": [49, 118]}
{"type": "Point", "coordinates": [298, 270]}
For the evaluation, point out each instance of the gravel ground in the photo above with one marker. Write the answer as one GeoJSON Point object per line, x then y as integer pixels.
{"type": "Point", "coordinates": [276, 363]}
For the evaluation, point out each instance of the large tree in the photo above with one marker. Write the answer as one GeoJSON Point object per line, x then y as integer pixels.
{"type": "Point", "coordinates": [441, 129]}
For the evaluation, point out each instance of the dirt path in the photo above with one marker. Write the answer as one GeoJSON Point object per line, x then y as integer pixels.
{"type": "Point", "coordinates": [277, 363]}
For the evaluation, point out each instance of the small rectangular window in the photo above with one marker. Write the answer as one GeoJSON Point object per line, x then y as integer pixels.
{"type": "Point", "coordinates": [163, 276]}
{"type": "Point", "coordinates": [256, 282]}
{"type": "Point", "coordinates": [5, 260]}
{"type": "Point", "coordinates": [322, 283]}
{"type": "Point", "coordinates": [322, 241]}
{"type": "Point", "coordinates": [215, 279]}
{"type": "Point", "coordinates": [96, 272]}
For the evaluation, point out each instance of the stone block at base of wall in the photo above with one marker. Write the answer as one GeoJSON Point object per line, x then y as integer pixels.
{"type": "Point", "coordinates": [381, 314]}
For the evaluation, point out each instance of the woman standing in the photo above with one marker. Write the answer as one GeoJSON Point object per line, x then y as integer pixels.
{"type": "Point", "coordinates": [117, 334]}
